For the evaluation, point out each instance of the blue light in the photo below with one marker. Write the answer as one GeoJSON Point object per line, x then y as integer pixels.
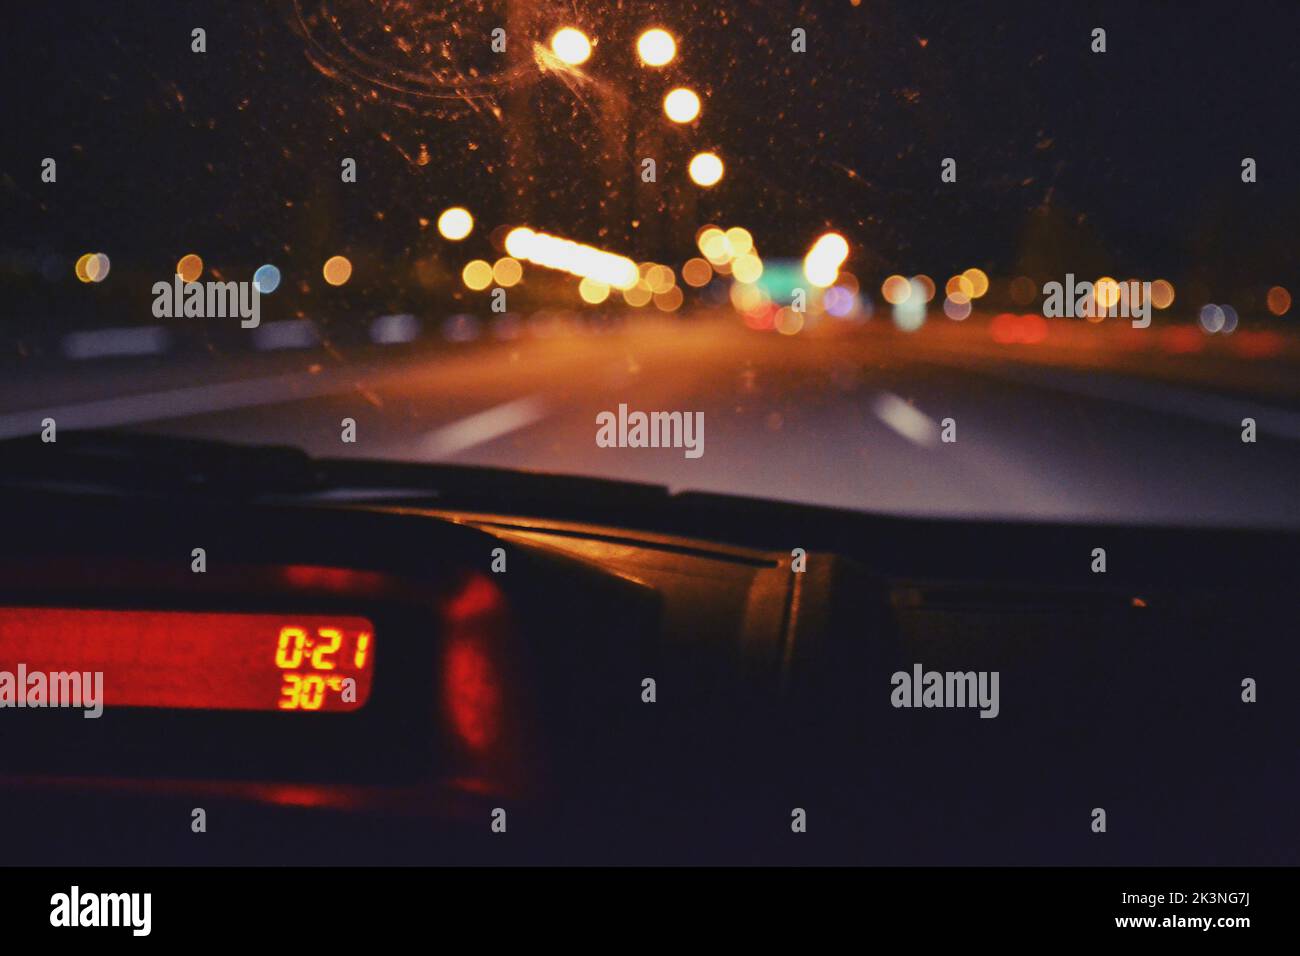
{"type": "Point", "coordinates": [266, 279]}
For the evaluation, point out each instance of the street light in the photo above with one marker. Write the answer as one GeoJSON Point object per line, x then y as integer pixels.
{"type": "Point", "coordinates": [681, 105]}
{"type": "Point", "coordinates": [656, 47]}
{"type": "Point", "coordinates": [455, 223]}
{"type": "Point", "coordinates": [571, 46]}
{"type": "Point", "coordinates": [706, 169]}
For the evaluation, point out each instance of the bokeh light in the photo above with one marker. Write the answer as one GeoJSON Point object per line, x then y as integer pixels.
{"type": "Point", "coordinates": [1023, 290]}
{"type": "Point", "coordinates": [659, 278]}
{"type": "Point", "coordinates": [821, 266]}
{"type": "Point", "coordinates": [740, 239]}
{"type": "Point", "coordinates": [840, 301]}
{"type": "Point", "coordinates": [190, 267]}
{"type": "Point", "coordinates": [957, 307]}
{"type": "Point", "coordinates": [1105, 292]}
{"type": "Point", "coordinates": [593, 291]}
{"type": "Point", "coordinates": [978, 280]}
{"type": "Point", "coordinates": [455, 223]}
{"type": "Point", "coordinates": [266, 279]}
{"type": "Point", "coordinates": [571, 46]}
{"type": "Point", "coordinates": [1279, 300]}
{"type": "Point", "coordinates": [697, 272]}
{"type": "Point", "coordinates": [681, 105]}
{"type": "Point", "coordinates": [789, 322]}
{"type": "Point", "coordinates": [337, 270]}
{"type": "Point", "coordinates": [746, 298]}
{"type": "Point", "coordinates": [960, 285]}
{"type": "Point", "coordinates": [669, 300]}
{"type": "Point", "coordinates": [1229, 319]}
{"type": "Point", "coordinates": [703, 233]}
{"type": "Point", "coordinates": [656, 47]}
{"type": "Point", "coordinates": [715, 245]}
{"type": "Point", "coordinates": [747, 268]}
{"type": "Point", "coordinates": [1212, 318]}
{"type": "Point", "coordinates": [1162, 294]}
{"type": "Point", "coordinates": [92, 267]}
{"type": "Point", "coordinates": [572, 257]}
{"type": "Point", "coordinates": [97, 267]}
{"type": "Point", "coordinates": [638, 295]}
{"type": "Point", "coordinates": [927, 286]}
{"type": "Point", "coordinates": [517, 242]}
{"type": "Point", "coordinates": [507, 271]}
{"type": "Point", "coordinates": [909, 315]}
{"type": "Point", "coordinates": [477, 275]}
{"type": "Point", "coordinates": [895, 290]}
{"type": "Point", "coordinates": [706, 169]}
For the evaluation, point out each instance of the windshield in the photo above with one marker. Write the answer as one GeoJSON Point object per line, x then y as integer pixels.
{"type": "Point", "coordinates": [917, 258]}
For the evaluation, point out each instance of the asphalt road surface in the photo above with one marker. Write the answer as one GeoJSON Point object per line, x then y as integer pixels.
{"type": "Point", "coordinates": [851, 418]}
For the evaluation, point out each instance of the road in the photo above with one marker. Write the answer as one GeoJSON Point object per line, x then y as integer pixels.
{"type": "Point", "coordinates": [850, 418]}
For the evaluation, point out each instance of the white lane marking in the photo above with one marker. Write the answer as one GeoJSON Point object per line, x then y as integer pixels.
{"type": "Point", "coordinates": [102, 343]}
{"type": "Point", "coordinates": [483, 426]}
{"type": "Point", "coordinates": [394, 329]}
{"type": "Point", "coordinates": [906, 420]}
{"type": "Point", "coordinates": [286, 334]}
{"type": "Point", "coordinates": [178, 403]}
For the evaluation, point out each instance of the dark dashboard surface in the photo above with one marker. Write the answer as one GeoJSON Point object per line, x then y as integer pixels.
{"type": "Point", "coordinates": [670, 694]}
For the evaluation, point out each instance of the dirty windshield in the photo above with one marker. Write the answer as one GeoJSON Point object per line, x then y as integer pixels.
{"type": "Point", "coordinates": [960, 259]}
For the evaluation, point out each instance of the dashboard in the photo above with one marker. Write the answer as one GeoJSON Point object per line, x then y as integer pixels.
{"type": "Point", "coordinates": [379, 682]}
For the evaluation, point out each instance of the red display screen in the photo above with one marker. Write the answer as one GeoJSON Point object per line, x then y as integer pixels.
{"type": "Point", "coordinates": [214, 661]}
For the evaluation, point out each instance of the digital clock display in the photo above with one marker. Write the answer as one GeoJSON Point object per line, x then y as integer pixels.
{"type": "Point", "coordinates": [300, 663]}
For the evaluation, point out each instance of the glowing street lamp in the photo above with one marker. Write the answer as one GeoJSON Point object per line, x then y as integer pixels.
{"type": "Point", "coordinates": [571, 46]}
{"type": "Point", "coordinates": [706, 169]}
{"type": "Point", "coordinates": [656, 47]}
